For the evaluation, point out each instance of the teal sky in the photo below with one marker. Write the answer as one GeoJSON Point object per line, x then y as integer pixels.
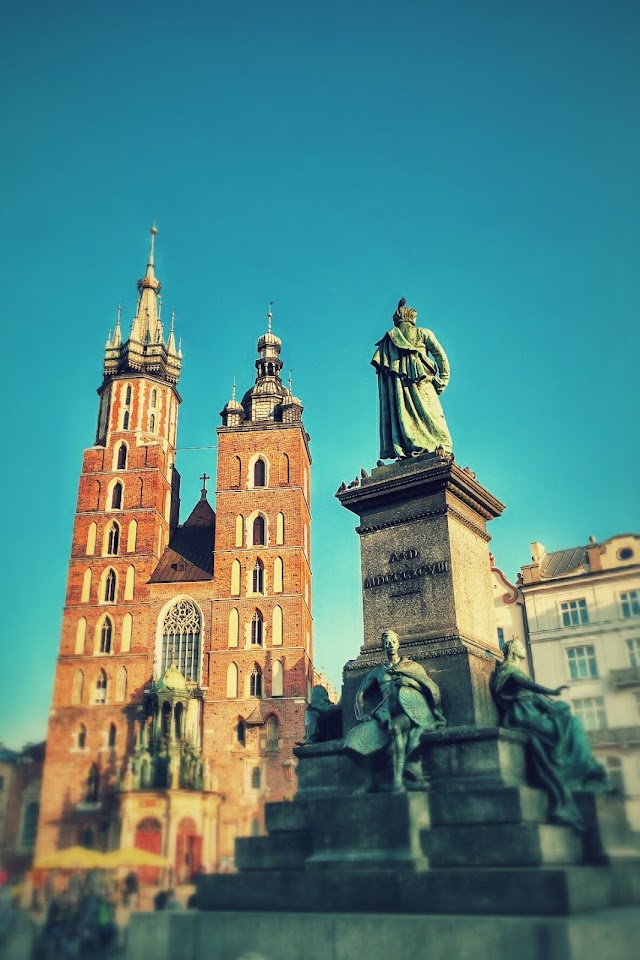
{"type": "Point", "coordinates": [479, 159]}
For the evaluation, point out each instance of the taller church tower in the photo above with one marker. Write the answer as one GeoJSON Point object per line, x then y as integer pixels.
{"type": "Point", "coordinates": [185, 660]}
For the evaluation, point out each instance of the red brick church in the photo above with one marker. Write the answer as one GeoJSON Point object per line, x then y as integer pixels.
{"type": "Point", "coordinates": [185, 660]}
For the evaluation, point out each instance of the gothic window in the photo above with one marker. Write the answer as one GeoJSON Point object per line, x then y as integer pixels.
{"type": "Point", "coordinates": [125, 639]}
{"type": "Point", "coordinates": [257, 577]}
{"type": "Point", "coordinates": [132, 533]}
{"type": "Point", "coordinates": [86, 586]}
{"type": "Point", "coordinates": [110, 586]}
{"type": "Point", "coordinates": [76, 689]}
{"type": "Point", "coordinates": [113, 540]}
{"type": "Point", "coordinates": [241, 732]}
{"type": "Point", "coordinates": [152, 423]}
{"type": "Point", "coordinates": [276, 626]}
{"type": "Point", "coordinates": [234, 627]}
{"type": "Point", "coordinates": [255, 681]}
{"type": "Point", "coordinates": [116, 496]}
{"type": "Point", "coordinates": [235, 578]}
{"type": "Point", "coordinates": [111, 738]}
{"type": "Point", "coordinates": [154, 397]}
{"type": "Point", "coordinates": [236, 475]}
{"type": "Point", "coordinates": [259, 473]}
{"type": "Point", "coordinates": [92, 785]}
{"type": "Point", "coordinates": [91, 539]}
{"type": "Point", "coordinates": [255, 778]}
{"type": "Point", "coordinates": [280, 528]}
{"type": "Point", "coordinates": [278, 574]}
{"type": "Point", "coordinates": [181, 629]}
{"type": "Point", "coordinates": [277, 679]}
{"type": "Point", "coordinates": [284, 468]}
{"type": "Point", "coordinates": [129, 582]}
{"type": "Point", "coordinates": [121, 685]}
{"type": "Point", "coordinates": [239, 530]}
{"type": "Point", "coordinates": [81, 632]}
{"type": "Point", "coordinates": [127, 396]}
{"type": "Point", "coordinates": [259, 532]}
{"type": "Point", "coordinates": [272, 733]}
{"type": "Point", "coordinates": [232, 680]}
{"type": "Point", "coordinates": [125, 420]}
{"type": "Point", "coordinates": [106, 636]}
{"type": "Point", "coordinates": [121, 463]}
{"type": "Point", "coordinates": [101, 688]}
{"type": "Point", "coordinates": [257, 628]}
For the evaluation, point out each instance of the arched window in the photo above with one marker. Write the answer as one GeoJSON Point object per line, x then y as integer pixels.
{"type": "Point", "coordinates": [110, 586]}
{"type": "Point", "coordinates": [278, 575]}
{"type": "Point", "coordinates": [106, 636]}
{"type": "Point", "coordinates": [276, 626]}
{"type": "Point", "coordinates": [255, 681]}
{"type": "Point", "coordinates": [91, 539]}
{"type": "Point", "coordinates": [284, 468]}
{"type": "Point", "coordinates": [86, 586]}
{"type": "Point", "coordinates": [257, 628]}
{"type": "Point", "coordinates": [92, 785]}
{"type": "Point", "coordinates": [121, 463]}
{"type": "Point", "coordinates": [111, 737]}
{"type": "Point", "coordinates": [259, 473]}
{"type": "Point", "coordinates": [255, 778]}
{"type": "Point", "coordinates": [81, 739]}
{"type": "Point", "coordinates": [272, 733]}
{"type": "Point", "coordinates": [76, 688]}
{"type": "Point", "coordinates": [181, 636]}
{"type": "Point", "coordinates": [152, 423]}
{"type": "Point", "coordinates": [101, 688]}
{"type": "Point", "coordinates": [129, 583]}
{"type": "Point", "coordinates": [125, 420]}
{"type": "Point", "coordinates": [125, 640]}
{"type": "Point", "coordinates": [81, 632]}
{"type": "Point", "coordinates": [232, 680]}
{"type": "Point", "coordinates": [121, 685]}
{"type": "Point", "coordinates": [257, 577]}
{"type": "Point", "coordinates": [259, 532]}
{"type": "Point", "coordinates": [127, 396]}
{"type": "Point", "coordinates": [154, 397]}
{"type": "Point", "coordinates": [132, 533]}
{"type": "Point", "coordinates": [236, 473]}
{"type": "Point", "coordinates": [277, 679]}
{"type": "Point", "coordinates": [241, 732]}
{"type": "Point", "coordinates": [280, 528]}
{"type": "Point", "coordinates": [239, 530]}
{"type": "Point", "coordinates": [235, 578]}
{"type": "Point", "coordinates": [234, 627]}
{"type": "Point", "coordinates": [113, 539]}
{"type": "Point", "coordinates": [116, 496]}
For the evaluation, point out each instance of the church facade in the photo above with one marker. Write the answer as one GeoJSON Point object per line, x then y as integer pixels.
{"type": "Point", "coordinates": [185, 661]}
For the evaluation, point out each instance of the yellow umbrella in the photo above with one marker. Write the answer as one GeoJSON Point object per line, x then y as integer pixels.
{"type": "Point", "coordinates": [134, 857]}
{"type": "Point", "coordinates": [72, 858]}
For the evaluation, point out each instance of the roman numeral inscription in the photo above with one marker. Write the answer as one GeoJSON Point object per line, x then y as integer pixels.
{"type": "Point", "coordinates": [409, 573]}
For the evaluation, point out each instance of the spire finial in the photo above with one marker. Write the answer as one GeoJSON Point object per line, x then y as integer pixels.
{"type": "Point", "coordinates": [269, 315]}
{"type": "Point", "coordinates": [153, 232]}
{"type": "Point", "coordinates": [159, 307]}
{"type": "Point", "coordinates": [203, 492]}
{"type": "Point", "coordinates": [173, 317]}
{"type": "Point", "coordinates": [233, 389]}
{"type": "Point", "coordinates": [119, 312]}
{"type": "Point", "coordinates": [291, 382]}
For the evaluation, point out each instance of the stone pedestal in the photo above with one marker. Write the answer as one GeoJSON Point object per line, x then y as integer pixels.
{"type": "Point", "coordinates": [426, 574]}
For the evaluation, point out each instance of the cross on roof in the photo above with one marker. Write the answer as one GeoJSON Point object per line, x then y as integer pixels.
{"type": "Point", "coordinates": [204, 479]}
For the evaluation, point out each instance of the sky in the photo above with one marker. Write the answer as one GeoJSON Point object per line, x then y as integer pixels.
{"type": "Point", "coordinates": [479, 159]}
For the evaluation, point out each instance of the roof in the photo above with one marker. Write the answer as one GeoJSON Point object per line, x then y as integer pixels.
{"type": "Point", "coordinates": [189, 555]}
{"type": "Point", "coordinates": [563, 561]}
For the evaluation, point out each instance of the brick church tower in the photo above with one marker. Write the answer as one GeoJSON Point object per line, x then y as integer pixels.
{"type": "Point", "coordinates": [185, 655]}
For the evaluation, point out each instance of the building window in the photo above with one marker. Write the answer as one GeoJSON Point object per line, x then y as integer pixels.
{"type": "Point", "coordinates": [241, 732]}
{"type": "Point", "coordinates": [30, 825]}
{"type": "Point", "coordinates": [116, 497]}
{"type": "Point", "coordinates": [110, 586]}
{"type": "Point", "coordinates": [256, 778]}
{"type": "Point", "coordinates": [127, 396]}
{"type": "Point", "coordinates": [574, 612]}
{"type": "Point", "coordinates": [616, 777]}
{"type": "Point", "coordinates": [259, 473]}
{"type": "Point", "coordinates": [81, 738]}
{"type": "Point", "coordinates": [121, 685]}
{"type": "Point", "coordinates": [152, 423]}
{"type": "Point", "coordinates": [125, 420]}
{"type": "Point", "coordinates": [255, 682]}
{"type": "Point", "coordinates": [257, 578]}
{"type": "Point", "coordinates": [592, 713]}
{"type": "Point", "coordinates": [257, 629]}
{"type": "Point", "coordinates": [113, 540]}
{"type": "Point", "coordinates": [630, 603]}
{"type": "Point", "coordinates": [272, 733]}
{"type": "Point", "coordinates": [501, 638]}
{"type": "Point", "coordinates": [181, 639]}
{"type": "Point", "coordinates": [633, 646]}
{"type": "Point", "coordinates": [259, 532]}
{"type": "Point", "coordinates": [122, 457]}
{"type": "Point", "coordinates": [76, 688]}
{"type": "Point", "coordinates": [101, 688]}
{"type": "Point", "coordinates": [106, 636]}
{"type": "Point", "coordinates": [232, 680]}
{"type": "Point", "coordinates": [92, 785]}
{"type": "Point", "coordinates": [154, 397]}
{"type": "Point", "coordinates": [277, 679]}
{"type": "Point", "coordinates": [111, 739]}
{"type": "Point", "coordinates": [582, 662]}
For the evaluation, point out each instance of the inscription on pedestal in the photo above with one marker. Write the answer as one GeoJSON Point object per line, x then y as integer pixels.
{"type": "Point", "coordinates": [408, 573]}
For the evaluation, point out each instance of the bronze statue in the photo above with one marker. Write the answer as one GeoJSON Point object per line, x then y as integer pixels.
{"type": "Point", "coordinates": [406, 704]}
{"type": "Point", "coordinates": [559, 747]}
{"type": "Point", "coordinates": [322, 718]}
{"type": "Point", "coordinates": [413, 370]}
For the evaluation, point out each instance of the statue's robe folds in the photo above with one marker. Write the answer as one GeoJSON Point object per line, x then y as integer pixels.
{"type": "Point", "coordinates": [422, 707]}
{"type": "Point", "coordinates": [561, 756]}
{"type": "Point", "coordinates": [409, 382]}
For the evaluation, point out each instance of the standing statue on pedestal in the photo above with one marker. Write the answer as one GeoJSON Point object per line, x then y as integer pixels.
{"type": "Point", "coordinates": [406, 703]}
{"type": "Point", "coordinates": [561, 755]}
{"type": "Point", "coordinates": [413, 370]}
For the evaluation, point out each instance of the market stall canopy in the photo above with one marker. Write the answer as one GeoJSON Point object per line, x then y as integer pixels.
{"type": "Point", "coordinates": [134, 857]}
{"type": "Point", "coordinates": [72, 858]}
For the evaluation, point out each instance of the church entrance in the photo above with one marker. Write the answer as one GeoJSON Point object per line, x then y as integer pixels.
{"type": "Point", "coordinates": [149, 837]}
{"type": "Point", "coordinates": [188, 851]}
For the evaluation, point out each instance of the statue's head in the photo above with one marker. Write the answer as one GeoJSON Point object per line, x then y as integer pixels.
{"type": "Point", "coordinates": [513, 649]}
{"type": "Point", "coordinates": [390, 641]}
{"type": "Point", "coordinates": [405, 314]}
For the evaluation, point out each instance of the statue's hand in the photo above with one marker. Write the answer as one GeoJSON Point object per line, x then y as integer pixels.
{"type": "Point", "coordinates": [559, 690]}
{"type": "Point", "coordinates": [438, 385]}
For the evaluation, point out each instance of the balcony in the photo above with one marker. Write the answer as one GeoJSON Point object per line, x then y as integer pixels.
{"type": "Point", "coordinates": [615, 737]}
{"type": "Point", "coordinates": [627, 677]}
